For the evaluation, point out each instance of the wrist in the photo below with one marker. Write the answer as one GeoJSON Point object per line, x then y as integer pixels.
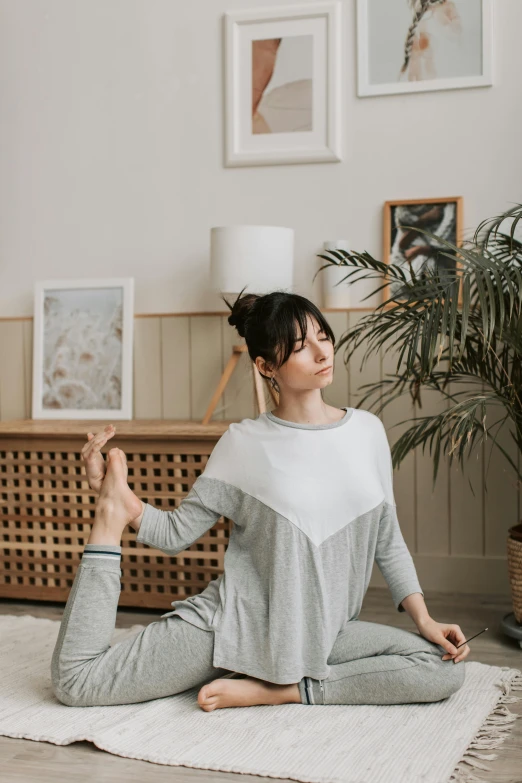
{"type": "Point", "coordinates": [422, 621]}
{"type": "Point", "coordinates": [415, 606]}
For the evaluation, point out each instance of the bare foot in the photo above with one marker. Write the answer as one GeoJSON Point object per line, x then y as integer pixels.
{"type": "Point", "coordinates": [245, 693]}
{"type": "Point", "coordinates": [117, 504]}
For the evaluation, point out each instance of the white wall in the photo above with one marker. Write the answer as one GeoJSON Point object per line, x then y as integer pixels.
{"type": "Point", "coordinates": [111, 150]}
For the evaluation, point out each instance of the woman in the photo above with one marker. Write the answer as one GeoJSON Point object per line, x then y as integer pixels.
{"type": "Point", "coordinates": [309, 488]}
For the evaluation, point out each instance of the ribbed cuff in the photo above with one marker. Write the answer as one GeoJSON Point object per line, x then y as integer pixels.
{"type": "Point", "coordinates": [93, 553]}
{"type": "Point", "coordinates": [311, 691]}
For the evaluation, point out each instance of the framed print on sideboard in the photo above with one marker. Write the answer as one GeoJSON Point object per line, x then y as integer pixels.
{"type": "Point", "coordinates": [405, 247]}
{"type": "Point", "coordinates": [83, 348]}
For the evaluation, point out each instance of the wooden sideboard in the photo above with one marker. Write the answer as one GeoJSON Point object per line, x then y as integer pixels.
{"type": "Point", "coordinates": [47, 507]}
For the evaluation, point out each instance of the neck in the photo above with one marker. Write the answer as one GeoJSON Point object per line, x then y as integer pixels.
{"type": "Point", "coordinates": [308, 412]}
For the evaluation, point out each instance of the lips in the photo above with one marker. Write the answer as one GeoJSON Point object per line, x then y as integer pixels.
{"type": "Point", "coordinates": [323, 371]}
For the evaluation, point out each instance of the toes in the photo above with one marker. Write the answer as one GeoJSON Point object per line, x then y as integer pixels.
{"type": "Point", "coordinates": [207, 695]}
{"type": "Point", "coordinates": [208, 703]}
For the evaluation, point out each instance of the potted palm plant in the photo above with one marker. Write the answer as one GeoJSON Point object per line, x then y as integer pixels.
{"type": "Point", "coordinates": [451, 324]}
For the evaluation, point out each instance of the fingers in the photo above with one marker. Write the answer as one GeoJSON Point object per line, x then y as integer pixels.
{"type": "Point", "coordinates": [462, 651]}
{"type": "Point", "coordinates": [96, 442]}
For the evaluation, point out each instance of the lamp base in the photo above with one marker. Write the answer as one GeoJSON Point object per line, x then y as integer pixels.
{"type": "Point", "coordinates": [237, 350]}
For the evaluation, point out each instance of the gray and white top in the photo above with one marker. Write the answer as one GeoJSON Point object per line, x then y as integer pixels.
{"type": "Point", "coordinates": [312, 507]}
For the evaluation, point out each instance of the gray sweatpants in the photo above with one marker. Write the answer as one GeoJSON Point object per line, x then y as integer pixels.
{"type": "Point", "coordinates": [370, 663]}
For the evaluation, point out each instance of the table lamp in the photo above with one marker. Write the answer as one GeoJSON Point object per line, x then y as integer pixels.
{"type": "Point", "coordinates": [259, 259]}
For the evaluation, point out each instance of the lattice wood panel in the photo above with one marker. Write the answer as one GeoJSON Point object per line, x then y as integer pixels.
{"type": "Point", "coordinates": [47, 508]}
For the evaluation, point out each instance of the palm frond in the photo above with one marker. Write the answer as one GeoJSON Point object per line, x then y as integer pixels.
{"type": "Point", "coordinates": [477, 339]}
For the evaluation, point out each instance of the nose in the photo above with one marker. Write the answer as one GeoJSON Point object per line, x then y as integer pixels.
{"type": "Point", "coordinates": [323, 352]}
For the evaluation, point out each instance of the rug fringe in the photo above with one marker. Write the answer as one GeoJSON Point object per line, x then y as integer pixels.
{"type": "Point", "coordinates": [492, 732]}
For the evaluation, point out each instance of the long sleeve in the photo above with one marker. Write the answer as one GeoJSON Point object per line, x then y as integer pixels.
{"type": "Point", "coordinates": [394, 559]}
{"type": "Point", "coordinates": [174, 530]}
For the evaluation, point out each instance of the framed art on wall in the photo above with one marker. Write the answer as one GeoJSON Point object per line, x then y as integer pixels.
{"type": "Point", "coordinates": [405, 247]}
{"type": "Point", "coordinates": [83, 349]}
{"type": "Point", "coordinates": [283, 83]}
{"type": "Point", "coordinates": [420, 45]}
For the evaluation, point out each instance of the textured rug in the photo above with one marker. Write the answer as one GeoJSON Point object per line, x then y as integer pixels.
{"type": "Point", "coordinates": [437, 742]}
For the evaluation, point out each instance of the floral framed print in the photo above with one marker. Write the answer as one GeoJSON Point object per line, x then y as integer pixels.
{"type": "Point", "coordinates": [83, 349]}
{"type": "Point", "coordinates": [419, 45]}
{"type": "Point", "coordinates": [408, 248]}
{"type": "Point", "coordinates": [283, 84]}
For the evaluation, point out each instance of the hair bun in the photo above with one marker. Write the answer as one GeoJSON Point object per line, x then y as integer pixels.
{"type": "Point", "coordinates": [241, 311]}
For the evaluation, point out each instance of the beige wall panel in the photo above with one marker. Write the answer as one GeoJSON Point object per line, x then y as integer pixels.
{"type": "Point", "coordinates": [433, 521]}
{"type": "Point", "coordinates": [147, 369]}
{"type": "Point", "coordinates": [12, 372]}
{"type": "Point", "coordinates": [467, 503]}
{"type": "Point", "coordinates": [501, 491]}
{"type": "Point", "coordinates": [370, 372]}
{"type": "Point", "coordinates": [238, 400]}
{"type": "Point", "coordinates": [457, 574]}
{"type": "Point", "coordinates": [175, 361]}
{"type": "Point", "coordinates": [400, 409]}
{"type": "Point", "coordinates": [206, 357]}
{"type": "Point", "coordinates": [337, 392]}
{"type": "Point", "coordinates": [27, 329]}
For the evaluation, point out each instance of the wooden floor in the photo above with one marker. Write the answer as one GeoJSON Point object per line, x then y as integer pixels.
{"type": "Point", "coordinates": [26, 760]}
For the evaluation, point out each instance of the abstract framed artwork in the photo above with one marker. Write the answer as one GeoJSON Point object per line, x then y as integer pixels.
{"type": "Point", "coordinates": [283, 84]}
{"type": "Point", "coordinates": [405, 247]}
{"type": "Point", "coordinates": [419, 45]}
{"type": "Point", "coordinates": [83, 348]}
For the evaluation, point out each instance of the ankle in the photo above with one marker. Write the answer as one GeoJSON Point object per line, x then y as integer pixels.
{"type": "Point", "coordinates": [291, 694]}
{"type": "Point", "coordinates": [101, 533]}
{"type": "Point", "coordinates": [135, 523]}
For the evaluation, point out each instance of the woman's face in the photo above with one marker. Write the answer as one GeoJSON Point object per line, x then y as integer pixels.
{"type": "Point", "coordinates": [315, 353]}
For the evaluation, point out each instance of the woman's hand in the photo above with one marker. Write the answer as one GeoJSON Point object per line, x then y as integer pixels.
{"type": "Point", "coordinates": [448, 636]}
{"type": "Point", "coordinates": [94, 463]}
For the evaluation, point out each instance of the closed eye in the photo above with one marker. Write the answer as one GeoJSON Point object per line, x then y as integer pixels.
{"type": "Point", "coordinates": [322, 338]}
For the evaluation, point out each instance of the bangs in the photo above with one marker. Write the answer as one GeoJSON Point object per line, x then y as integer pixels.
{"type": "Point", "coordinates": [292, 325]}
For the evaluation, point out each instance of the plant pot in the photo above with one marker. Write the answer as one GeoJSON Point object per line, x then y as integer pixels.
{"type": "Point", "coordinates": [514, 558]}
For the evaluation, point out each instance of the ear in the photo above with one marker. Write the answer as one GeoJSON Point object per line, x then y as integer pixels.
{"type": "Point", "coordinates": [261, 365]}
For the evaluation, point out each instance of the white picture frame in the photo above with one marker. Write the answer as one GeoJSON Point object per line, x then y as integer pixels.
{"type": "Point", "coordinates": [310, 47]}
{"type": "Point", "coordinates": [458, 44]}
{"type": "Point", "coordinates": [83, 348]}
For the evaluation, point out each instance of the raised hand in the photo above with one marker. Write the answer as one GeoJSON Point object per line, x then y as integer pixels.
{"type": "Point", "coordinates": [95, 466]}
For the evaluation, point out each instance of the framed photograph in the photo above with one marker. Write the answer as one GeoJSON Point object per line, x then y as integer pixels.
{"type": "Point", "coordinates": [405, 247]}
{"type": "Point", "coordinates": [83, 349]}
{"type": "Point", "coordinates": [419, 45]}
{"type": "Point", "coordinates": [283, 85]}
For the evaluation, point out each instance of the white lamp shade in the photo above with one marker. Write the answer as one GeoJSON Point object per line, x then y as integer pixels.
{"type": "Point", "coordinates": [257, 258]}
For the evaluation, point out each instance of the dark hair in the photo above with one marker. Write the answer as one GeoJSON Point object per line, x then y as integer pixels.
{"type": "Point", "coordinates": [268, 324]}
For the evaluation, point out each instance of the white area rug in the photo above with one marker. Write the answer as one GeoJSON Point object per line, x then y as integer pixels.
{"type": "Point", "coordinates": [435, 742]}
